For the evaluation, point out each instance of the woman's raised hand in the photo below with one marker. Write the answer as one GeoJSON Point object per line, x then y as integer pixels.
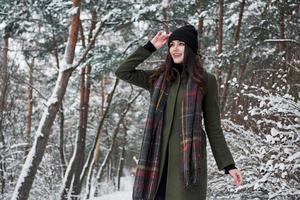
{"type": "Point", "coordinates": [160, 39]}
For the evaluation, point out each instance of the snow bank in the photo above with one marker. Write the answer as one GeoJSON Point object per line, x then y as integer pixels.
{"type": "Point", "coordinates": [125, 192]}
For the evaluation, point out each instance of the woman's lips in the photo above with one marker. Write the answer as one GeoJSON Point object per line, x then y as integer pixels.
{"type": "Point", "coordinates": [177, 55]}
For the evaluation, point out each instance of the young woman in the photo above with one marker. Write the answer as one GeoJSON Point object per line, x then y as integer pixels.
{"type": "Point", "coordinates": [173, 162]}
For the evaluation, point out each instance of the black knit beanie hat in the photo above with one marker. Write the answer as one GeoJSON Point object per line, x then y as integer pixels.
{"type": "Point", "coordinates": [187, 34]}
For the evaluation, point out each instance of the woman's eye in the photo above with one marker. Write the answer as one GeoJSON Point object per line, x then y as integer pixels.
{"type": "Point", "coordinates": [182, 43]}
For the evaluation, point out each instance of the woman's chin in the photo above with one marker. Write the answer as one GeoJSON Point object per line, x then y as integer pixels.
{"type": "Point", "coordinates": [177, 61]}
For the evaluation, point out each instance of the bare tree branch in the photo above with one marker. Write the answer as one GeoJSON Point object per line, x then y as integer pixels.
{"type": "Point", "coordinates": [283, 40]}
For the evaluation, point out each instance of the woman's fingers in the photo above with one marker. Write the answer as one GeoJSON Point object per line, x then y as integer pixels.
{"type": "Point", "coordinates": [159, 33]}
{"type": "Point", "coordinates": [157, 36]}
{"type": "Point", "coordinates": [164, 37]}
{"type": "Point", "coordinates": [163, 34]}
{"type": "Point", "coordinates": [235, 179]}
{"type": "Point", "coordinates": [237, 176]}
{"type": "Point", "coordinates": [160, 39]}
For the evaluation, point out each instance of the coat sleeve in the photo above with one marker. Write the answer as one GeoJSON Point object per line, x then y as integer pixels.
{"type": "Point", "coordinates": [127, 70]}
{"type": "Point", "coordinates": [212, 123]}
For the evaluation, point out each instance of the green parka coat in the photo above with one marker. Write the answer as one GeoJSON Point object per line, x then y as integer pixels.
{"type": "Point", "coordinates": [171, 132]}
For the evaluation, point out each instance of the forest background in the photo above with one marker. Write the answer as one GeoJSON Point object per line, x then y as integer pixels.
{"type": "Point", "coordinates": [70, 129]}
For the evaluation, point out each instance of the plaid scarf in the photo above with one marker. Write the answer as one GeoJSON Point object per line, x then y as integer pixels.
{"type": "Point", "coordinates": [147, 173]}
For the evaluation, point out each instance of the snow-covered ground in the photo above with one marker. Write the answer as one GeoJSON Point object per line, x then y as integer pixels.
{"type": "Point", "coordinates": [121, 195]}
{"type": "Point", "coordinates": [124, 193]}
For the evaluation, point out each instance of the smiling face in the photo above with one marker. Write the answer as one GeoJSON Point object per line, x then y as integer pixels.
{"type": "Point", "coordinates": [176, 50]}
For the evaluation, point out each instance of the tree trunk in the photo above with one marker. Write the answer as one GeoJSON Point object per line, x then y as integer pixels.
{"type": "Point", "coordinates": [165, 16]}
{"type": "Point", "coordinates": [121, 162]}
{"type": "Point", "coordinates": [94, 152]}
{"type": "Point", "coordinates": [29, 105]}
{"type": "Point", "coordinates": [200, 7]}
{"type": "Point", "coordinates": [120, 168]}
{"type": "Point", "coordinates": [4, 84]}
{"type": "Point", "coordinates": [85, 103]}
{"type": "Point", "coordinates": [281, 29]}
{"type": "Point", "coordinates": [200, 34]}
{"type": "Point", "coordinates": [61, 140]}
{"type": "Point", "coordinates": [3, 92]}
{"type": "Point", "coordinates": [220, 43]}
{"type": "Point", "coordinates": [61, 123]}
{"type": "Point", "coordinates": [109, 167]}
{"type": "Point", "coordinates": [230, 67]}
{"type": "Point", "coordinates": [238, 29]}
{"type": "Point", "coordinates": [75, 24]}
{"type": "Point", "coordinates": [77, 163]}
{"type": "Point", "coordinates": [2, 179]}
{"type": "Point", "coordinates": [85, 94]}
{"type": "Point", "coordinates": [36, 153]}
{"type": "Point", "coordinates": [108, 154]}
{"type": "Point", "coordinates": [73, 34]}
{"type": "Point", "coordinates": [113, 139]}
{"type": "Point", "coordinates": [80, 142]}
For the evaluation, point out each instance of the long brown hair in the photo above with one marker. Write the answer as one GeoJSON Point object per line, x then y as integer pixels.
{"type": "Point", "coordinates": [192, 66]}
